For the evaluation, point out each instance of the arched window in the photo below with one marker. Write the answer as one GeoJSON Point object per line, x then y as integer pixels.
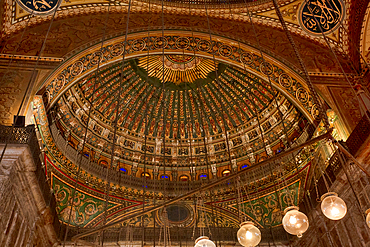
{"type": "Point", "coordinates": [165, 177]}
{"type": "Point", "coordinates": [262, 158]}
{"type": "Point", "coordinates": [184, 178]}
{"type": "Point", "coordinates": [226, 173]}
{"type": "Point", "coordinates": [145, 175]}
{"type": "Point", "coordinates": [243, 166]}
{"type": "Point", "coordinates": [123, 170]}
{"type": "Point", "coordinates": [103, 163]}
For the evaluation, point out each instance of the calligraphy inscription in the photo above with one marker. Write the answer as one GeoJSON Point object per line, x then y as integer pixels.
{"type": "Point", "coordinates": [39, 7]}
{"type": "Point", "coordinates": [327, 14]}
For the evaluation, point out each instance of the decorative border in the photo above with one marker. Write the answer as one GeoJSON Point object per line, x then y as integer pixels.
{"type": "Point", "coordinates": [282, 77]}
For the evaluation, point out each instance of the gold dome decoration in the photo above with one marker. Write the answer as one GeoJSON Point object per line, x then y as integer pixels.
{"type": "Point", "coordinates": [177, 68]}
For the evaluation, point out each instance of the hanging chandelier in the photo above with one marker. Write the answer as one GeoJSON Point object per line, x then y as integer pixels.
{"type": "Point", "coordinates": [332, 206]}
{"type": "Point", "coordinates": [249, 235]}
{"type": "Point", "coordinates": [204, 241]}
{"type": "Point", "coordinates": [368, 217]}
{"type": "Point", "coordinates": [295, 222]}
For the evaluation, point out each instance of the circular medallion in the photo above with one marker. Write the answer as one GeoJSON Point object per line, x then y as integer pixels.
{"type": "Point", "coordinates": [96, 58]}
{"type": "Point", "coordinates": [314, 13]}
{"type": "Point", "coordinates": [177, 214]}
{"type": "Point", "coordinates": [314, 111]}
{"type": "Point", "coordinates": [204, 45]}
{"type": "Point", "coordinates": [76, 68]}
{"type": "Point", "coordinates": [182, 43]}
{"type": "Point", "coordinates": [225, 50]}
{"type": "Point", "coordinates": [285, 80]}
{"type": "Point", "coordinates": [160, 42]}
{"type": "Point", "coordinates": [139, 45]}
{"type": "Point", "coordinates": [39, 7]}
{"type": "Point", "coordinates": [59, 82]}
{"type": "Point", "coordinates": [302, 95]}
{"type": "Point", "coordinates": [116, 50]}
{"type": "Point", "coordinates": [246, 58]}
{"type": "Point", "coordinates": [266, 68]}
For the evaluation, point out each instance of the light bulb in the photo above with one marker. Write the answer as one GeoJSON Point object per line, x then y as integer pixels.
{"type": "Point", "coordinates": [332, 206]}
{"type": "Point", "coordinates": [368, 217]}
{"type": "Point", "coordinates": [335, 210]}
{"type": "Point", "coordinates": [295, 222]}
{"type": "Point", "coordinates": [204, 241]}
{"type": "Point", "coordinates": [249, 235]}
{"type": "Point", "coordinates": [292, 220]}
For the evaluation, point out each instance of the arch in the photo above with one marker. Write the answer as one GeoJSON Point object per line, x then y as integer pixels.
{"type": "Point", "coordinates": [184, 178]}
{"type": "Point", "coordinates": [145, 175]}
{"type": "Point", "coordinates": [103, 163]}
{"type": "Point", "coordinates": [123, 170]}
{"type": "Point", "coordinates": [226, 172]}
{"type": "Point", "coordinates": [284, 79]}
{"type": "Point", "coordinates": [164, 177]}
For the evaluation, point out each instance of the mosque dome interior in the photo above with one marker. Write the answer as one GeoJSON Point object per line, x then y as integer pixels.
{"type": "Point", "coordinates": [153, 123]}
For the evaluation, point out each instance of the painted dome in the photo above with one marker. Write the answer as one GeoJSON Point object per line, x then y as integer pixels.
{"type": "Point", "coordinates": [204, 111]}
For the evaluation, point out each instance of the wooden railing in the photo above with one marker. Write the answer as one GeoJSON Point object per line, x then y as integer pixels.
{"type": "Point", "coordinates": [359, 134]}
{"type": "Point", "coordinates": [353, 144]}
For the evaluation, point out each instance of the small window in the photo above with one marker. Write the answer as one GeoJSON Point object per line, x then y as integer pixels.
{"type": "Point", "coordinates": [262, 158]}
{"type": "Point", "coordinates": [86, 155]}
{"type": "Point", "coordinates": [124, 170]}
{"type": "Point", "coordinates": [244, 166]}
{"type": "Point", "coordinates": [226, 173]}
{"type": "Point", "coordinates": [203, 176]}
{"type": "Point", "coordinates": [165, 177]}
{"type": "Point", "coordinates": [145, 175]}
{"type": "Point", "coordinates": [103, 163]}
{"type": "Point", "coordinates": [184, 178]}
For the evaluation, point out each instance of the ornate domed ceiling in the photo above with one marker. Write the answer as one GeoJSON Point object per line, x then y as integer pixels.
{"type": "Point", "coordinates": [216, 118]}
{"type": "Point", "coordinates": [210, 110]}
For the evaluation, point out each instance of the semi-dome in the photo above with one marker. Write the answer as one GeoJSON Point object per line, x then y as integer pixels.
{"type": "Point", "coordinates": [213, 113]}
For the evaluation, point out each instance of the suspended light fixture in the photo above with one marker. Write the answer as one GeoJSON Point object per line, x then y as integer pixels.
{"type": "Point", "coordinates": [332, 206]}
{"type": "Point", "coordinates": [204, 241]}
{"type": "Point", "coordinates": [368, 217]}
{"type": "Point", "coordinates": [248, 234]}
{"type": "Point", "coordinates": [295, 222]}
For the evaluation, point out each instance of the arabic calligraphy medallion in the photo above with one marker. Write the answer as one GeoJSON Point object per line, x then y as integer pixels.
{"type": "Point", "coordinates": [39, 7]}
{"type": "Point", "coordinates": [328, 14]}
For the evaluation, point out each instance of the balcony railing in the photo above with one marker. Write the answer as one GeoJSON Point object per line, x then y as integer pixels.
{"type": "Point", "coordinates": [354, 142]}
{"type": "Point", "coordinates": [359, 134]}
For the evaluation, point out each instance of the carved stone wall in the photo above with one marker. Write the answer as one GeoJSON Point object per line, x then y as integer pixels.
{"type": "Point", "coordinates": [25, 218]}
{"type": "Point", "coordinates": [352, 229]}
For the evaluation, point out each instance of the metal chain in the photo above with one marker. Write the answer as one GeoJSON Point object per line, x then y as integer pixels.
{"type": "Point", "coordinates": [315, 97]}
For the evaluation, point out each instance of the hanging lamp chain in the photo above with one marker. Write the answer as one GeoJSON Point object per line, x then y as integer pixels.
{"type": "Point", "coordinates": [314, 95]}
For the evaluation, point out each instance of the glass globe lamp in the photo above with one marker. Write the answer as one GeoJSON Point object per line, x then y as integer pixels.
{"type": "Point", "coordinates": [368, 217]}
{"type": "Point", "coordinates": [295, 222]}
{"type": "Point", "coordinates": [204, 241]}
{"type": "Point", "coordinates": [332, 206]}
{"type": "Point", "coordinates": [248, 234]}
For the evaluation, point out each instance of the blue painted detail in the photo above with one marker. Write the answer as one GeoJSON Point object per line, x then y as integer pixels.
{"type": "Point", "coordinates": [164, 176]}
{"type": "Point", "coordinates": [123, 170]}
{"type": "Point", "coordinates": [203, 176]}
{"type": "Point", "coordinates": [244, 166]}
